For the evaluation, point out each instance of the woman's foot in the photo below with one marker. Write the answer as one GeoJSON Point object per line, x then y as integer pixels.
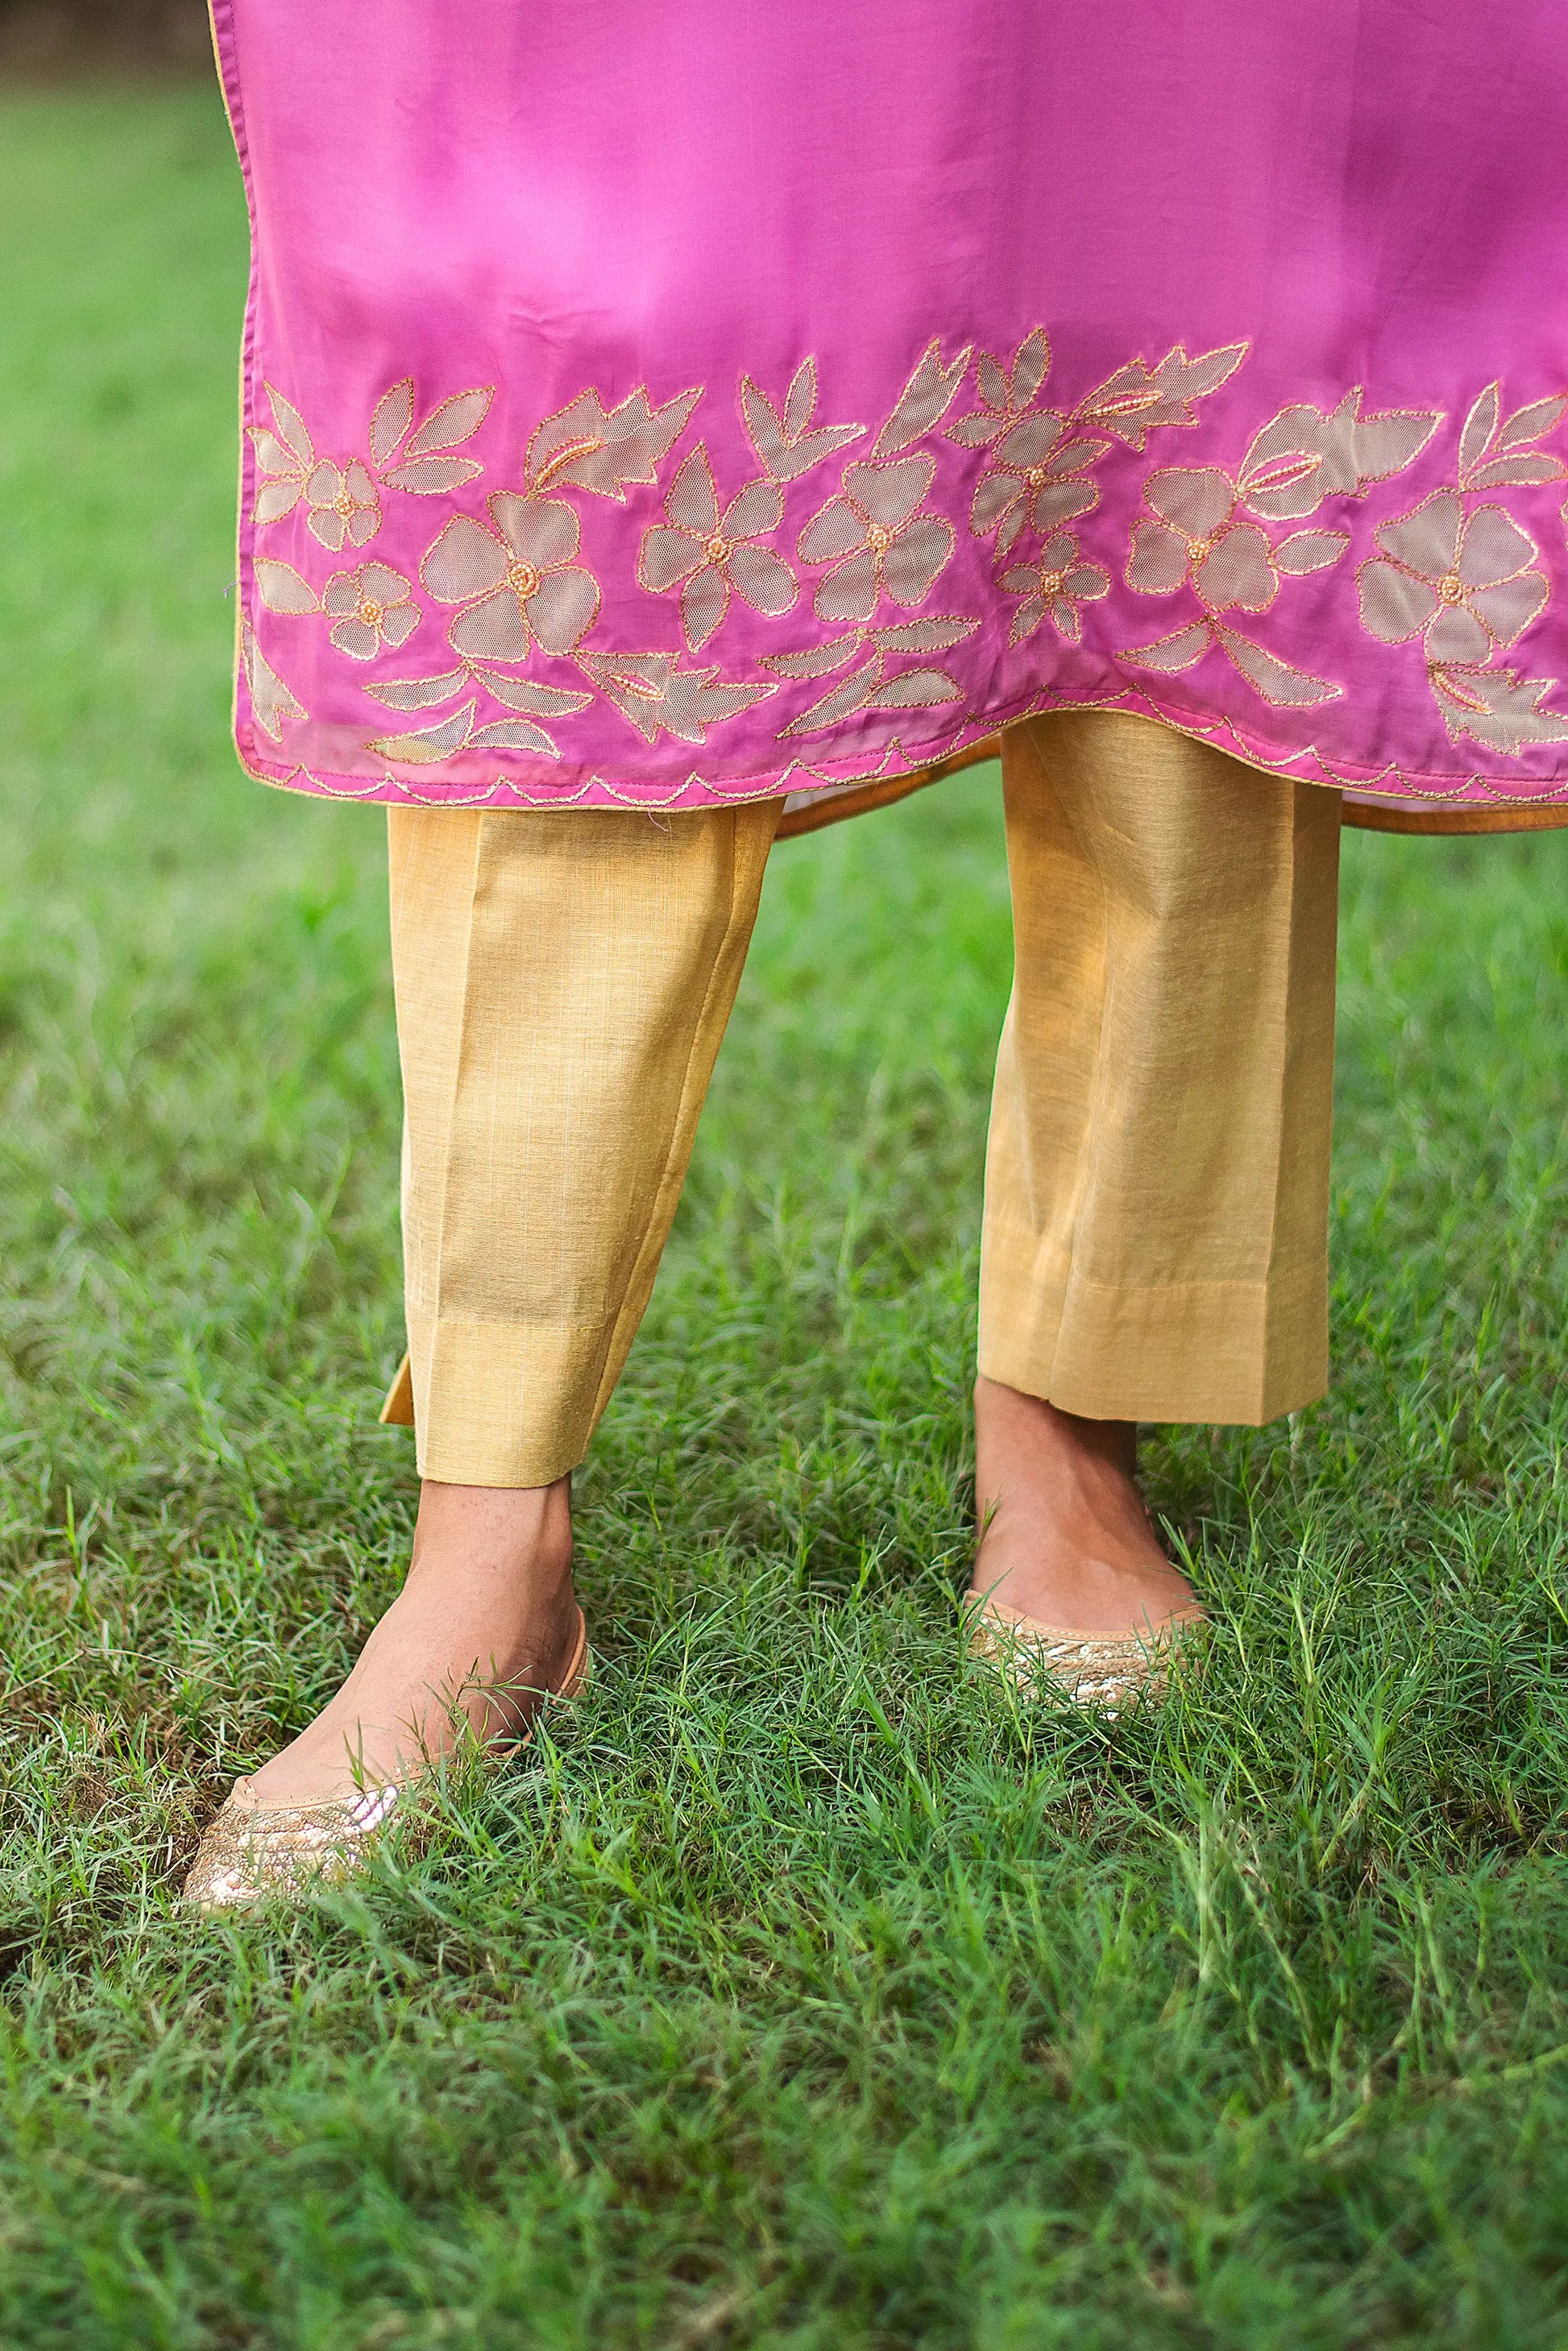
{"type": "Point", "coordinates": [1064, 1536]}
{"type": "Point", "coordinates": [486, 1625]}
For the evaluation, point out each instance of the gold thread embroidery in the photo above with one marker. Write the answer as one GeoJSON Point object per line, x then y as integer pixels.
{"type": "Point", "coordinates": [1466, 579]}
{"type": "Point", "coordinates": [1206, 537]}
{"type": "Point", "coordinates": [343, 501]}
{"type": "Point", "coordinates": [708, 553]}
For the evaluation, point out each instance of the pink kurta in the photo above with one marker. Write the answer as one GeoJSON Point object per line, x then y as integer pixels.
{"type": "Point", "coordinates": [667, 404]}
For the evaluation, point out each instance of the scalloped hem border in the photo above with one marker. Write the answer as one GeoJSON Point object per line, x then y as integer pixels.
{"type": "Point", "coordinates": [1391, 800]}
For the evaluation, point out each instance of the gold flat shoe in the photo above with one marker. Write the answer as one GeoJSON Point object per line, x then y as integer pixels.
{"type": "Point", "coordinates": [1101, 1671]}
{"type": "Point", "coordinates": [278, 1852]}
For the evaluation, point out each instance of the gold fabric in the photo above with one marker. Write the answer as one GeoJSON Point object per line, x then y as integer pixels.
{"type": "Point", "coordinates": [563, 982]}
{"type": "Point", "coordinates": [1157, 1180]}
{"type": "Point", "coordinates": [1156, 1188]}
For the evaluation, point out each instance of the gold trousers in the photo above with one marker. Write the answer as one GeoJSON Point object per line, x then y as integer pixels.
{"type": "Point", "coordinates": [1156, 1185]}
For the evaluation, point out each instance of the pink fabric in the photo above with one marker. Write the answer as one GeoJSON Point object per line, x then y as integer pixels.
{"type": "Point", "coordinates": [664, 404]}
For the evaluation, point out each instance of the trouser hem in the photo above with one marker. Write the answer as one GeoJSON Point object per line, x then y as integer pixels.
{"type": "Point", "coordinates": [503, 1403]}
{"type": "Point", "coordinates": [1227, 1352]}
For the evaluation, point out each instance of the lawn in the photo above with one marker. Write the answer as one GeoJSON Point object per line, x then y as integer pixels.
{"type": "Point", "coordinates": [802, 1991]}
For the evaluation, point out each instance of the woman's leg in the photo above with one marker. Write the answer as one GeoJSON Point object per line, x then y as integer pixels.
{"type": "Point", "coordinates": [1156, 1190]}
{"type": "Point", "coordinates": [563, 983]}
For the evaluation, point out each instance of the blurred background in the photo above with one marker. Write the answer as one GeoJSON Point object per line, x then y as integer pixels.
{"type": "Point", "coordinates": [45, 40]}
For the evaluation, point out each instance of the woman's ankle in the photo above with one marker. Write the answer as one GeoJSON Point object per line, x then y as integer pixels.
{"type": "Point", "coordinates": [485, 1623]}
{"type": "Point", "coordinates": [1064, 1533]}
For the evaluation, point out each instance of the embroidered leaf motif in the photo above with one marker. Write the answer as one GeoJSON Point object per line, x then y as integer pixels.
{"type": "Point", "coordinates": [1496, 455]}
{"type": "Point", "coordinates": [1004, 396]}
{"type": "Point", "coordinates": [979, 429]}
{"type": "Point", "coordinates": [800, 400]}
{"type": "Point", "coordinates": [590, 448]}
{"type": "Point", "coordinates": [1480, 428]}
{"type": "Point", "coordinates": [1303, 455]}
{"type": "Point", "coordinates": [431, 477]}
{"type": "Point", "coordinates": [1179, 650]}
{"type": "Point", "coordinates": [991, 383]}
{"type": "Point", "coordinates": [456, 421]}
{"type": "Point", "coordinates": [815, 661]}
{"type": "Point", "coordinates": [290, 427]}
{"type": "Point", "coordinates": [1138, 399]}
{"type": "Point", "coordinates": [870, 687]}
{"type": "Point", "coordinates": [924, 400]}
{"type": "Point", "coordinates": [513, 734]}
{"type": "Point", "coordinates": [1275, 680]}
{"type": "Point", "coordinates": [1310, 550]}
{"type": "Point", "coordinates": [845, 699]}
{"type": "Point", "coordinates": [429, 744]}
{"type": "Point", "coordinates": [1496, 708]}
{"type": "Point", "coordinates": [417, 692]}
{"type": "Point", "coordinates": [785, 449]}
{"type": "Point", "coordinates": [271, 699]}
{"type": "Point", "coordinates": [278, 457]}
{"type": "Point", "coordinates": [1534, 423]}
{"type": "Point", "coordinates": [522, 693]}
{"type": "Point", "coordinates": [1518, 473]}
{"type": "Point", "coordinates": [917, 689]}
{"type": "Point", "coordinates": [390, 419]}
{"type": "Point", "coordinates": [1030, 368]}
{"type": "Point", "coordinates": [281, 588]}
{"type": "Point", "coordinates": [650, 691]}
{"type": "Point", "coordinates": [272, 456]}
{"type": "Point", "coordinates": [935, 636]}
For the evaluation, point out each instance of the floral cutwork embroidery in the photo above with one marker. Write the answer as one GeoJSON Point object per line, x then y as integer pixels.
{"type": "Point", "coordinates": [1054, 586]}
{"type": "Point", "coordinates": [1042, 459]}
{"type": "Point", "coordinates": [1138, 399]}
{"type": "Point", "coordinates": [343, 501]}
{"type": "Point", "coordinates": [872, 534]}
{"type": "Point", "coordinates": [876, 540]}
{"type": "Point", "coordinates": [708, 553]}
{"type": "Point", "coordinates": [369, 608]}
{"type": "Point", "coordinates": [785, 443]}
{"type": "Point", "coordinates": [1466, 579]}
{"type": "Point", "coordinates": [269, 697]}
{"type": "Point", "coordinates": [521, 591]}
{"type": "Point", "coordinates": [587, 446]}
{"type": "Point", "coordinates": [1207, 538]}
{"type": "Point", "coordinates": [518, 583]}
{"type": "Point", "coordinates": [658, 696]}
{"type": "Point", "coordinates": [1457, 572]}
{"type": "Point", "coordinates": [872, 686]}
{"type": "Point", "coordinates": [1305, 455]}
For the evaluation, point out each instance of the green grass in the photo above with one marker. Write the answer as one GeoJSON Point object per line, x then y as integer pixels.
{"type": "Point", "coordinates": [804, 1992]}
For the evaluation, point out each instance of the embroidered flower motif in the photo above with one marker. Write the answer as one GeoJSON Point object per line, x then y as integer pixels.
{"type": "Point", "coordinates": [345, 507]}
{"type": "Point", "coordinates": [1198, 543]}
{"type": "Point", "coordinates": [876, 540]}
{"type": "Point", "coordinates": [1057, 584]}
{"type": "Point", "coordinates": [1035, 476]}
{"type": "Point", "coordinates": [707, 553]}
{"type": "Point", "coordinates": [521, 587]}
{"type": "Point", "coordinates": [1463, 584]}
{"type": "Point", "coordinates": [343, 502]}
{"type": "Point", "coordinates": [369, 608]}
